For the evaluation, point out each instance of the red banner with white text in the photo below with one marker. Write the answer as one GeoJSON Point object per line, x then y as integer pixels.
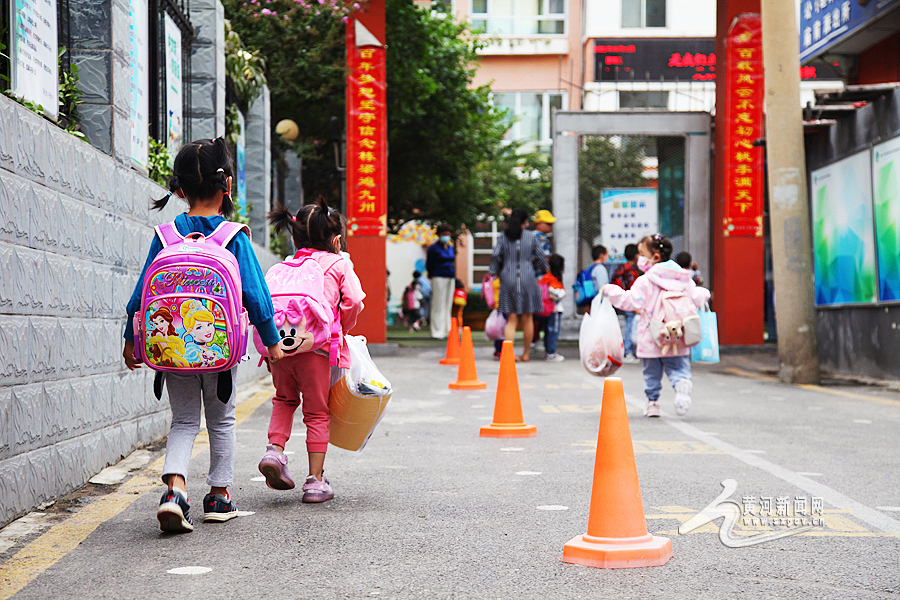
{"type": "Point", "coordinates": [366, 139]}
{"type": "Point", "coordinates": [744, 171]}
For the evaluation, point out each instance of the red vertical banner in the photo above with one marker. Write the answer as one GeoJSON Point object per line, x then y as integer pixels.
{"type": "Point", "coordinates": [366, 135]}
{"type": "Point", "coordinates": [744, 171]}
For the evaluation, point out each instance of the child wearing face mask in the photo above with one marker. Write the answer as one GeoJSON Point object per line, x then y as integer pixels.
{"type": "Point", "coordinates": [660, 273]}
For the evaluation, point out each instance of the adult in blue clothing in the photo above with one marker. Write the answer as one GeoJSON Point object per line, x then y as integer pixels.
{"type": "Point", "coordinates": [440, 263]}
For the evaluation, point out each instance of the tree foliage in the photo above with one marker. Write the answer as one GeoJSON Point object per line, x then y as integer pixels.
{"type": "Point", "coordinates": [444, 136]}
{"type": "Point", "coordinates": [609, 162]}
{"type": "Point", "coordinates": [446, 158]}
{"type": "Point", "coordinates": [303, 46]}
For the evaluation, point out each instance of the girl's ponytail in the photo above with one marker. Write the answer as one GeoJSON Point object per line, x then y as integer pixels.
{"type": "Point", "coordinates": [201, 169]}
{"type": "Point", "coordinates": [314, 226]}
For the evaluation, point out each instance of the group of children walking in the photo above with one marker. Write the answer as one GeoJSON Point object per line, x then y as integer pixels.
{"type": "Point", "coordinates": [203, 175]}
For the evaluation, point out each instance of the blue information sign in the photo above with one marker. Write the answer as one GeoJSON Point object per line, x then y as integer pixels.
{"type": "Point", "coordinates": [824, 23]}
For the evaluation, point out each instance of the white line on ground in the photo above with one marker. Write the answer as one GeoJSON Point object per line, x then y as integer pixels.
{"type": "Point", "coordinates": [868, 515]}
{"type": "Point", "coordinates": [552, 507]}
{"type": "Point", "coordinates": [528, 472]}
{"type": "Point", "coordinates": [890, 508]}
{"type": "Point", "coordinates": [512, 449]}
{"type": "Point", "coordinates": [809, 474]}
{"type": "Point", "coordinates": [862, 421]}
{"type": "Point", "coordinates": [257, 478]}
{"type": "Point", "coordinates": [477, 406]}
{"type": "Point", "coordinates": [189, 570]}
{"type": "Point", "coordinates": [755, 451]}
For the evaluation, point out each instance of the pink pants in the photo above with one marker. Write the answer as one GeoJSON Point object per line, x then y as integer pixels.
{"type": "Point", "coordinates": [308, 376]}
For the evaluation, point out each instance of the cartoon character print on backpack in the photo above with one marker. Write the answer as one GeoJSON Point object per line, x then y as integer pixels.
{"type": "Point", "coordinates": [184, 333]}
{"type": "Point", "coordinates": [301, 327]}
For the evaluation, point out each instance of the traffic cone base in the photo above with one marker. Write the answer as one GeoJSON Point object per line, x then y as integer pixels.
{"type": "Point", "coordinates": [467, 374]}
{"type": "Point", "coordinates": [508, 431]}
{"type": "Point", "coordinates": [452, 355]}
{"type": "Point", "coordinates": [616, 553]}
{"type": "Point", "coordinates": [468, 385]}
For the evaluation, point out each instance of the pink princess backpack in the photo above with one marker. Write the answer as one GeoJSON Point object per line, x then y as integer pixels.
{"type": "Point", "coordinates": [305, 321]}
{"type": "Point", "coordinates": [191, 318]}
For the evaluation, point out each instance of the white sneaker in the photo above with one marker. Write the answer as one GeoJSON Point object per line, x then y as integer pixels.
{"type": "Point", "coordinates": [652, 409]}
{"type": "Point", "coordinates": [632, 360]}
{"type": "Point", "coordinates": [683, 396]}
{"type": "Point", "coordinates": [555, 357]}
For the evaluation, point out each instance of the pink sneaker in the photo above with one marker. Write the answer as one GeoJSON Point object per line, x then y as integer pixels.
{"type": "Point", "coordinates": [274, 466]}
{"type": "Point", "coordinates": [317, 491]}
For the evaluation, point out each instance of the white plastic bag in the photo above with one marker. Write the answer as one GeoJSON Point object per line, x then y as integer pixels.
{"type": "Point", "coordinates": [358, 398]}
{"type": "Point", "coordinates": [495, 326]}
{"type": "Point", "coordinates": [600, 339]}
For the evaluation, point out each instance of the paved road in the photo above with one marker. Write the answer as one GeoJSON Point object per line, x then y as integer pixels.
{"type": "Point", "coordinates": [431, 510]}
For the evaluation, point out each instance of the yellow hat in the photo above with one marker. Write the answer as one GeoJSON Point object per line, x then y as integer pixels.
{"type": "Point", "coordinates": [544, 216]}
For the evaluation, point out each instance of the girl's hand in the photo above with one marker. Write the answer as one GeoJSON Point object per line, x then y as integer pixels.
{"type": "Point", "coordinates": [275, 353]}
{"type": "Point", "coordinates": [603, 289]}
{"type": "Point", "coordinates": [131, 360]}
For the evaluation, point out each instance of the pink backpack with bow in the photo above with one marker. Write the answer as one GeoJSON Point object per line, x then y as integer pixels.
{"type": "Point", "coordinates": [305, 321]}
{"type": "Point", "coordinates": [192, 318]}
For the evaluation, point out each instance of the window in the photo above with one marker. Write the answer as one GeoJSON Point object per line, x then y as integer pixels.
{"type": "Point", "coordinates": [523, 17]}
{"type": "Point", "coordinates": [645, 99]}
{"type": "Point", "coordinates": [529, 116]}
{"type": "Point", "coordinates": [643, 13]}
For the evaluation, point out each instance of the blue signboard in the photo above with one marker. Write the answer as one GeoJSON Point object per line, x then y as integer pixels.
{"type": "Point", "coordinates": [824, 23]}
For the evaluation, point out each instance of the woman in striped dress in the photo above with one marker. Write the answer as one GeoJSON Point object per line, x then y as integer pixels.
{"type": "Point", "coordinates": [520, 296]}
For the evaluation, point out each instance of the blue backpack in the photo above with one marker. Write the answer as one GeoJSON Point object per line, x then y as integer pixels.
{"type": "Point", "coordinates": [584, 287]}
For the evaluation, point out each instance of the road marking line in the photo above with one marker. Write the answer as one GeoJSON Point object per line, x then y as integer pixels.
{"type": "Point", "coordinates": [666, 447]}
{"type": "Point", "coordinates": [809, 474]}
{"type": "Point", "coordinates": [835, 498]}
{"type": "Point", "coordinates": [819, 388]}
{"type": "Point", "coordinates": [552, 507]}
{"type": "Point", "coordinates": [189, 571]}
{"type": "Point", "coordinates": [48, 548]}
{"type": "Point", "coordinates": [890, 508]}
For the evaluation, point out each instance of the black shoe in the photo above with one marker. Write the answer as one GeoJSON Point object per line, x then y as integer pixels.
{"type": "Point", "coordinates": [174, 513]}
{"type": "Point", "coordinates": [217, 508]}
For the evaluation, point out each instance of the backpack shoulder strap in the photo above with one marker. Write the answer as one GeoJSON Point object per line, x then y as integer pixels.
{"type": "Point", "coordinates": [168, 234]}
{"type": "Point", "coordinates": [225, 232]}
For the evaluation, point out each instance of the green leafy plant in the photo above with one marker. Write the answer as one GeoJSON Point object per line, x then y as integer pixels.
{"type": "Point", "coordinates": [232, 125]}
{"type": "Point", "coordinates": [279, 245]}
{"type": "Point", "coordinates": [246, 69]}
{"type": "Point", "coordinates": [158, 160]}
{"type": "Point", "coordinates": [69, 99]}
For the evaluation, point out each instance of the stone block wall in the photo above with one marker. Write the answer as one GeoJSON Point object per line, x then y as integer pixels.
{"type": "Point", "coordinates": [75, 227]}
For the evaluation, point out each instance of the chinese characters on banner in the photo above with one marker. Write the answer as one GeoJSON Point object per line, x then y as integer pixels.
{"type": "Point", "coordinates": [366, 139]}
{"type": "Point", "coordinates": [744, 177]}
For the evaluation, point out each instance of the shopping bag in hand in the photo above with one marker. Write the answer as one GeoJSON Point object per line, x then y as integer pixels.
{"type": "Point", "coordinates": [600, 339]}
{"type": "Point", "coordinates": [495, 326]}
{"type": "Point", "coordinates": [708, 348]}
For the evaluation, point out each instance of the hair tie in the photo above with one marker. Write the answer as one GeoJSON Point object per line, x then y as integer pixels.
{"type": "Point", "coordinates": [220, 170]}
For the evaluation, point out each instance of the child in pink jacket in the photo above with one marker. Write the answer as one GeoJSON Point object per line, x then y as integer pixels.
{"type": "Point", "coordinates": [659, 273]}
{"type": "Point", "coordinates": [316, 231]}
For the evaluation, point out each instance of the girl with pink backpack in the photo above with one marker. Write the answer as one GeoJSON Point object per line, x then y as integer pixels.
{"type": "Point", "coordinates": [188, 317]}
{"type": "Point", "coordinates": [666, 298]}
{"type": "Point", "coordinates": [317, 298]}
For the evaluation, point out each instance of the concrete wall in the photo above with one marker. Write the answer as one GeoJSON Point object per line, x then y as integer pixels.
{"type": "Point", "coordinates": [207, 79]}
{"type": "Point", "coordinates": [74, 232]}
{"type": "Point", "coordinates": [858, 339]}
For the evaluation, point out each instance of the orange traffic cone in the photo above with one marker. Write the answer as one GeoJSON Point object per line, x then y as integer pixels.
{"type": "Point", "coordinates": [508, 421]}
{"type": "Point", "coordinates": [617, 534]}
{"type": "Point", "coordinates": [452, 357]}
{"type": "Point", "coordinates": [467, 376]}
